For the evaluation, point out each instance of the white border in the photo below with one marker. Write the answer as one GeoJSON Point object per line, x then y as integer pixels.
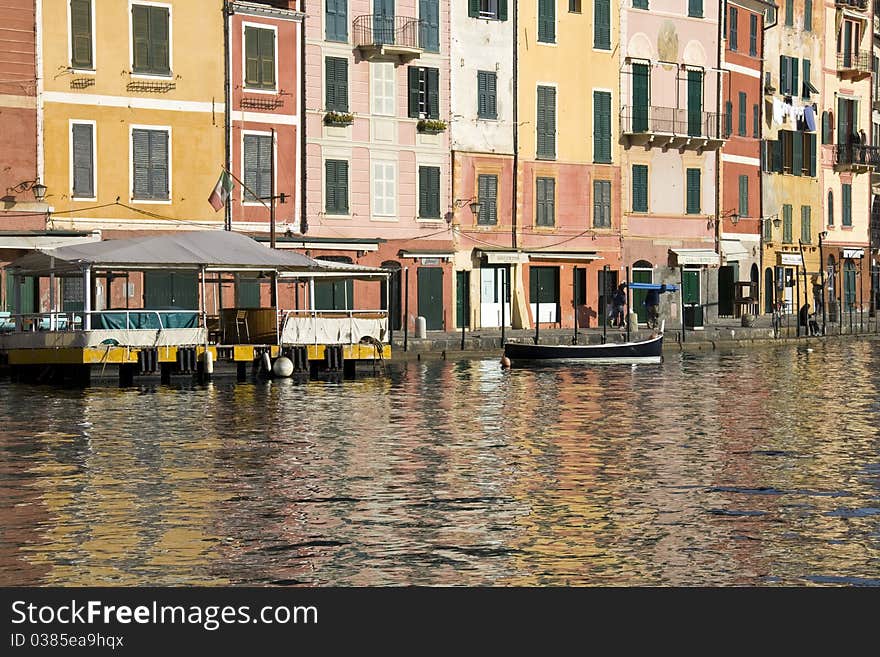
{"type": "Point", "coordinates": [70, 42]}
{"type": "Point", "coordinates": [151, 76]}
{"type": "Point", "coordinates": [259, 133]}
{"type": "Point", "coordinates": [131, 128]}
{"type": "Point", "coordinates": [71, 123]}
{"type": "Point", "coordinates": [259, 26]}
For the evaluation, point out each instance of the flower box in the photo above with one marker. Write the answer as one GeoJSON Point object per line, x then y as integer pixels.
{"type": "Point", "coordinates": [431, 126]}
{"type": "Point", "coordinates": [338, 118]}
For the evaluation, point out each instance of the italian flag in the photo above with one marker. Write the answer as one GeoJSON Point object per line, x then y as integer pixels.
{"type": "Point", "coordinates": [221, 191]}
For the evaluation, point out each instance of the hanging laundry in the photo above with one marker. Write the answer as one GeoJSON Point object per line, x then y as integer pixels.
{"type": "Point", "coordinates": [778, 111]}
{"type": "Point", "coordinates": [810, 118]}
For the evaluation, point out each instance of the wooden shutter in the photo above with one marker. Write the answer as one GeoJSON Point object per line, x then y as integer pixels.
{"type": "Point", "coordinates": [159, 164]}
{"type": "Point", "coordinates": [806, 220]}
{"type": "Point", "coordinates": [141, 36]}
{"type": "Point", "coordinates": [433, 83]}
{"type": "Point", "coordinates": [81, 34]}
{"type": "Point", "coordinates": [811, 156]}
{"type": "Point", "coordinates": [336, 74]}
{"type": "Point", "coordinates": [728, 118]}
{"type": "Point", "coordinates": [487, 187]}
{"type": "Point", "coordinates": [429, 16]}
{"type": "Point", "coordinates": [83, 161]}
{"type": "Point", "coordinates": [641, 99]}
{"type": "Point", "coordinates": [474, 8]}
{"type": "Point", "coordinates": [414, 77]}
{"type": "Point", "coordinates": [547, 21]}
{"type": "Point", "coordinates": [846, 201]}
{"type": "Point", "coordinates": [753, 34]}
{"type": "Point", "coordinates": [797, 153]}
{"type": "Point", "coordinates": [337, 20]}
{"type": "Point", "coordinates": [140, 142]}
{"type": "Point", "coordinates": [794, 87]}
{"type": "Point", "coordinates": [159, 40]}
{"type": "Point", "coordinates": [734, 31]}
{"type": "Point", "coordinates": [267, 59]}
{"type": "Point", "coordinates": [491, 96]}
{"type": "Point", "coordinates": [695, 103]}
{"type": "Point", "coordinates": [744, 196]}
{"type": "Point", "coordinates": [601, 126]}
{"type": "Point", "coordinates": [742, 114]}
{"type": "Point", "coordinates": [546, 191]}
{"type": "Point", "coordinates": [602, 24]}
{"type": "Point", "coordinates": [482, 94]}
{"type": "Point", "coordinates": [546, 122]}
{"type": "Point", "coordinates": [251, 57]}
{"type": "Point", "coordinates": [640, 188]}
{"type": "Point", "coordinates": [756, 121]}
{"type": "Point", "coordinates": [783, 74]}
{"type": "Point", "coordinates": [805, 83]}
{"type": "Point", "coordinates": [843, 126]}
{"type": "Point", "coordinates": [693, 191]}
{"type": "Point", "coordinates": [808, 15]}
{"type": "Point", "coordinates": [777, 155]}
{"type": "Point", "coordinates": [502, 10]}
{"type": "Point", "coordinates": [251, 167]}
{"type": "Point", "coordinates": [789, 12]}
{"type": "Point", "coordinates": [786, 223]}
{"type": "Point", "coordinates": [434, 191]}
{"type": "Point", "coordinates": [606, 202]}
{"type": "Point", "coordinates": [264, 185]}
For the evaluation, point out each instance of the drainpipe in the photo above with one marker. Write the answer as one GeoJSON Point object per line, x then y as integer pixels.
{"type": "Point", "coordinates": [719, 76]}
{"type": "Point", "coordinates": [301, 125]}
{"type": "Point", "coordinates": [227, 107]}
{"type": "Point", "coordinates": [514, 7]}
{"type": "Point", "coordinates": [761, 283]}
{"type": "Point", "coordinates": [38, 66]}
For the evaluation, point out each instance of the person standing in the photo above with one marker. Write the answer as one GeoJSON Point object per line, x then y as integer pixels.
{"type": "Point", "coordinates": [618, 305]}
{"type": "Point", "coordinates": [652, 305]}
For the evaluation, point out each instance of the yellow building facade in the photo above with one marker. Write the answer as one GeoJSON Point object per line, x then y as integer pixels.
{"type": "Point", "coordinates": [132, 113]}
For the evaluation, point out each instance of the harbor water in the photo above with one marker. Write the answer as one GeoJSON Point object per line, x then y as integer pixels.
{"type": "Point", "coordinates": [753, 467]}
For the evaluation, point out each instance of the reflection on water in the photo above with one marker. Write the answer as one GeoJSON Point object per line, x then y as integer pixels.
{"type": "Point", "coordinates": [745, 468]}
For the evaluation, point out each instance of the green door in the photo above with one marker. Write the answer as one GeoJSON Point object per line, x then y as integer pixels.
{"type": "Point", "coordinates": [849, 286]}
{"type": "Point", "coordinates": [334, 295]}
{"type": "Point", "coordinates": [462, 298]}
{"type": "Point", "coordinates": [637, 297]}
{"type": "Point", "coordinates": [725, 291]}
{"type": "Point", "coordinates": [690, 296]}
{"type": "Point", "coordinates": [247, 292]}
{"type": "Point", "coordinates": [544, 288]}
{"type": "Point", "coordinates": [171, 289]}
{"type": "Point", "coordinates": [430, 281]}
{"type": "Point", "coordinates": [28, 295]}
{"type": "Point", "coordinates": [640, 98]}
{"type": "Point", "coordinates": [695, 103]}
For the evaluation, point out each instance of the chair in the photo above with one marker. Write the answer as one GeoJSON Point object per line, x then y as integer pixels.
{"type": "Point", "coordinates": [241, 321]}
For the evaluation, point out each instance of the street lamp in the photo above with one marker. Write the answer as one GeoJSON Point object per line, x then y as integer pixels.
{"type": "Point", "coordinates": [473, 203]}
{"type": "Point", "coordinates": [38, 188]}
{"type": "Point", "coordinates": [822, 236]}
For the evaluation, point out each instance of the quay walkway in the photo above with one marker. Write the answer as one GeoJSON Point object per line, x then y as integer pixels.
{"type": "Point", "coordinates": [726, 333]}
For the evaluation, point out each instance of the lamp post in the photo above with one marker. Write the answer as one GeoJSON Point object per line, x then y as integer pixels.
{"type": "Point", "coordinates": [822, 236]}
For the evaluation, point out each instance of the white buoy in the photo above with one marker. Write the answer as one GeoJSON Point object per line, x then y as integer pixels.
{"type": "Point", "coordinates": [267, 363]}
{"type": "Point", "coordinates": [283, 367]}
{"type": "Point", "coordinates": [809, 350]}
{"type": "Point", "coordinates": [208, 359]}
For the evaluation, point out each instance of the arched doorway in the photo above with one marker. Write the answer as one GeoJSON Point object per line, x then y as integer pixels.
{"type": "Point", "coordinates": [768, 290]}
{"type": "Point", "coordinates": [755, 278]}
{"type": "Point", "coordinates": [393, 308]}
{"type": "Point", "coordinates": [642, 272]}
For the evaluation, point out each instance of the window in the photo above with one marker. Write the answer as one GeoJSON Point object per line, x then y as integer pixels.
{"type": "Point", "coordinates": [336, 80]}
{"type": "Point", "coordinates": [574, 6]}
{"type": "Point", "coordinates": [602, 203]}
{"type": "Point", "coordinates": [847, 121]}
{"type": "Point", "coordinates": [424, 92]}
{"type": "Point", "coordinates": [786, 223]}
{"type": "Point", "coordinates": [788, 76]}
{"type": "Point", "coordinates": [545, 193]}
{"type": "Point", "coordinates": [150, 49]}
{"type": "Point", "coordinates": [733, 39]}
{"type": "Point", "coordinates": [693, 191]}
{"type": "Point", "coordinates": [848, 39]}
{"type": "Point", "coordinates": [546, 123]}
{"type": "Point", "coordinates": [336, 186]}
{"type": "Point", "coordinates": [491, 9]}
{"type": "Point", "coordinates": [547, 21]}
{"type": "Point", "coordinates": [728, 118]}
{"type": "Point", "coordinates": [830, 208]}
{"type": "Point", "coordinates": [807, 87]}
{"type": "Point", "coordinates": [640, 188]}
{"type": "Point", "coordinates": [150, 161]}
{"type": "Point", "coordinates": [794, 152]}
{"type": "Point", "coordinates": [602, 24]}
{"type": "Point", "coordinates": [846, 205]}
{"type": "Point", "coordinates": [640, 97]}
{"type": "Point", "coordinates": [83, 158]}
{"type": "Point", "coordinates": [487, 107]}
{"type": "Point", "coordinates": [429, 192]}
{"type": "Point", "coordinates": [743, 196]}
{"type": "Point", "coordinates": [806, 220]}
{"type": "Point", "coordinates": [259, 57]}
{"type": "Point", "coordinates": [695, 103]}
{"type": "Point", "coordinates": [601, 126]}
{"type": "Point", "coordinates": [640, 4]}
{"type": "Point", "coordinates": [382, 83]}
{"type": "Point", "coordinates": [258, 154]}
{"type": "Point", "coordinates": [384, 189]}
{"type": "Point", "coordinates": [789, 12]}
{"type": "Point", "coordinates": [808, 15]}
{"type": "Point", "coordinates": [767, 223]}
{"type": "Point", "coordinates": [487, 193]}
{"type": "Point", "coordinates": [429, 25]}
{"type": "Point", "coordinates": [742, 114]}
{"type": "Point", "coordinates": [695, 8]}
{"type": "Point", "coordinates": [336, 20]}
{"type": "Point", "coordinates": [753, 35]}
{"type": "Point", "coordinates": [81, 34]}
{"type": "Point", "coordinates": [756, 121]}
{"type": "Point", "coordinates": [826, 128]}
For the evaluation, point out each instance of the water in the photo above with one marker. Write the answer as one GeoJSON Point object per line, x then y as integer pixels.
{"type": "Point", "coordinates": [746, 468]}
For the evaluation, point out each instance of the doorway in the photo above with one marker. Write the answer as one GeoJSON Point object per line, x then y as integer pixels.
{"type": "Point", "coordinates": [690, 298]}
{"type": "Point", "coordinates": [642, 272]}
{"type": "Point", "coordinates": [493, 286]}
{"type": "Point", "coordinates": [544, 294]}
{"type": "Point", "coordinates": [430, 282]}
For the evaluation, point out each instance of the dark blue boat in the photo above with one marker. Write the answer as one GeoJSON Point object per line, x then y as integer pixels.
{"type": "Point", "coordinates": [645, 351]}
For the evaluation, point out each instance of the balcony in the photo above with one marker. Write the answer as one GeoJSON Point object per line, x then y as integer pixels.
{"type": "Point", "coordinates": [670, 127]}
{"type": "Point", "coordinates": [858, 5]}
{"type": "Point", "coordinates": [854, 66]}
{"type": "Point", "coordinates": [856, 157]}
{"type": "Point", "coordinates": [378, 35]}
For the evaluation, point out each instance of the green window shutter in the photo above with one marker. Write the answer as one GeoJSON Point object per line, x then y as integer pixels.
{"type": "Point", "coordinates": [502, 10]}
{"type": "Point", "coordinates": [601, 126]}
{"type": "Point", "coordinates": [267, 59]}
{"type": "Point", "coordinates": [805, 84]}
{"type": "Point", "coordinates": [159, 40]}
{"type": "Point", "coordinates": [794, 89]}
{"type": "Point", "coordinates": [546, 123]}
{"type": "Point", "coordinates": [159, 164]}
{"type": "Point", "coordinates": [640, 97]}
{"type": "Point", "coordinates": [843, 127]}
{"type": "Point", "coordinates": [487, 193]}
{"type": "Point", "coordinates": [547, 21]}
{"type": "Point", "coordinates": [140, 37]}
{"type": "Point", "coordinates": [474, 8]}
{"type": "Point", "coordinates": [811, 154]}
{"type": "Point", "coordinates": [424, 210]}
{"type": "Point", "coordinates": [753, 35]}
{"type": "Point", "coordinates": [150, 162]}
{"type": "Point", "coordinates": [544, 193]}
{"type": "Point", "coordinates": [333, 71]}
{"type": "Point", "coordinates": [695, 103]}
{"type": "Point", "coordinates": [846, 200]}
{"type": "Point", "coordinates": [728, 118]}
{"type": "Point", "coordinates": [342, 83]}
{"type": "Point", "coordinates": [640, 188]}
{"type": "Point", "coordinates": [806, 220]}
{"type": "Point", "coordinates": [434, 187]}
{"type": "Point", "coordinates": [429, 192]}
{"type": "Point", "coordinates": [140, 143]}
{"type": "Point", "coordinates": [640, 4]}
{"type": "Point", "coordinates": [789, 12]}
{"type": "Point", "coordinates": [433, 81]}
{"type": "Point", "coordinates": [602, 203]}
{"type": "Point", "coordinates": [797, 153]}
{"type": "Point", "coordinates": [414, 77]}
{"type": "Point", "coordinates": [783, 74]}
{"type": "Point", "coordinates": [258, 154]}
{"type": "Point", "coordinates": [808, 15]}
{"type": "Point", "coordinates": [744, 196]}
{"type": "Point", "coordinates": [81, 34]}
{"type": "Point", "coordinates": [756, 121]}
{"type": "Point", "coordinates": [742, 114]}
{"type": "Point", "coordinates": [486, 95]}
{"type": "Point", "coordinates": [693, 191]}
{"type": "Point", "coordinates": [786, 224]}
{"type": "Point", "coordinates": [602, 24]}
{"type": "Point", "coordinates": [83, 160]}
{"type": "Point", "coordinates": [733, 39]}
{"type": "Point", "coordinates": [695, 8]}
{"type": "Point", "coordinates": [251, 57]}
{"type": "Point", "coordinates": [776, 159]}
{"type": "Point", "coordinates": [336, 172]}
{"type": "Point", "coordinates": [336, 20]}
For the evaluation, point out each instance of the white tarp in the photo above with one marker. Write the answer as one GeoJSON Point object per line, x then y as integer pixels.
{"type": "Point", "coordinates": [97, 338]}
{"type": "Point", "coordinates": [332, 330]}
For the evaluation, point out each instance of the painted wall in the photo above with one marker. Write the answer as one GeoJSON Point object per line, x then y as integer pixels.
{"type": "Point", "coordinates": [189, 101]}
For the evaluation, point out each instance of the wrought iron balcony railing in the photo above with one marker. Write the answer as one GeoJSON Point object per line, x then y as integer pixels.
{"type": "Point", "coordinates": [674, 121]}
{"type": "Point", "coordinates": [376, 30]}
{"type": "Point", "coordinates": [854, 61]}
{"type": "Point", "coordinates": [856, 155]}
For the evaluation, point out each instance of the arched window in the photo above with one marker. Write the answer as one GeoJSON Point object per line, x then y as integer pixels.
{"type": "Point", "coordinates": [830, 208]}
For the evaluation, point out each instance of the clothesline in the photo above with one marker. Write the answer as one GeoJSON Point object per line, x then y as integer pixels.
{"type": "Point", "coordinates": [803, 117]}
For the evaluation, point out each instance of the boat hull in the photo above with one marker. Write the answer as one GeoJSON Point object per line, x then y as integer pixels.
{"type": "Point", "coordinates": [647, 351]}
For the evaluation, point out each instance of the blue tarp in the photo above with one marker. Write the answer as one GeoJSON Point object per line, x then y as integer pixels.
{"type": "Point", "coordinates": [651, 286]}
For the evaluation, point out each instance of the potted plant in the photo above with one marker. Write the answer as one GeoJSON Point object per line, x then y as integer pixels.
{"type": "Point", "coordinates": [431, 126]}
{"type": "Point", "coordinates": [338, 118]}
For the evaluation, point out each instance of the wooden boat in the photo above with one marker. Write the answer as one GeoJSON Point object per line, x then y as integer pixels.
{"type": "Point", "coordinates": [644, 351]}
